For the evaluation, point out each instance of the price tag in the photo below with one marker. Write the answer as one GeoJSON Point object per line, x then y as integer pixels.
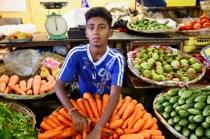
{"type": "Point", "coordinates": [51, 63]}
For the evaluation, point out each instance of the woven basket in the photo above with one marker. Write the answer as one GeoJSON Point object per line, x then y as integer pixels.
{"type": "Point", "coordinates": [163, 121]}
{"type": "Point", "coordinates": [130, 56]}
{"type": "Point", "coordinates": [13, 95]}
{"type": "Point", "coordinates": [196, 33]}
{"type": "Point", "coordinates": [17, 107]}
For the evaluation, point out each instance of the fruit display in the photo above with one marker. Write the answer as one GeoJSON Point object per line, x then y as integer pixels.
{"type": "Point", "coordinates": [19, 35]}
{"type": "Point", "coordinates": [185, 112]}
{"type": "Point", "coordinates": [151, 26]}
{"type": "Point", "coordinates": [163, 65]}
{"type": "Point", "coordinates": [129, 120]}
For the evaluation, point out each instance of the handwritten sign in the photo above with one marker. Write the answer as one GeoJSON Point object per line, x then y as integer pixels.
{"type": "Point", "coordinates": [51, 63]}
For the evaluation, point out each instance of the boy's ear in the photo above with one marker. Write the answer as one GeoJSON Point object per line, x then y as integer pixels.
{"type": "Point", "coordinates": [110, 32]}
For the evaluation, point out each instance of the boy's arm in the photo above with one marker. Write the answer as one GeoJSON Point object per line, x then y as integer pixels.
{"type": "Point", "coordinates": [109, 109]}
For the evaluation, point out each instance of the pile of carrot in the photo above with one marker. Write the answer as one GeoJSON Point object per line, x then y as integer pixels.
{"type": "Point", "coordinates": [129, 120]}
{"type": "Point", "coordinates": [33, 86]}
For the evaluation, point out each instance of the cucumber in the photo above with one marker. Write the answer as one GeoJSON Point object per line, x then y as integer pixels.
{"type": "Point", "coordinates": [190, 118]}
{"type": "Point", "coordinates": [168, 108]}
{"type": "Point", "coordinates": [186, 94]}
{"type": "Point", "coordinates": [206, 111]}
{"type": "Point", "coordinates": [173, 114]}
{"type": "Point", "coordinates": [199, 105]}
{"type": "Point", "coordinates": [159, 107]}
{"type": "Point", "coordinates": [205, 125]}
{"type": "Point", "coordinates": [187, 106]}
{"type": "Point", "coordinates": [178, 127]}
{"type": "Point", "coordinates": [166, 115]}
{"type": "Point", "coordinates": [166, 104]}
{"type": "Point", "coordinates": [193, 136]}
{"type": "Point", "coordinates": [182, 90]}
{"type": "Point", "coordinates": [171, 122]}
{"type": "Point", "coordinates": [173, 92]}
{"type": "Point", "coordinates": [208, 119]}
{"type": "Point", "coordinates": [191, 99]}
{"type": "Point", "coordinates": [184, 113]}
{"type": "Point", "coordinates": [194, 111]}
{"type": "Point", "coordinates": [161, 99]}
{"type": "Point", "coordinates": [207, 133]}
{"type": "Point", "coordinates": [201, 98]}
{"type": "Point", "coordinates": [186, 132]}
{"type": "Point", "coordinates": [183, 122]}
{"type": "Point", "coordinates": [208, 100]}
{"type": "Point", "coordinates": [192, 126]}
{"type": "Point", "coordinates": [198, 118]}
{"type": "Point", "coordinates": [181, 101]}
{"type": "Point", "coordinates": [199, 131]}
{"type": "Point", "coordinates": [174, 99]}
{"type": "Point", "coordinates": [177, 118]}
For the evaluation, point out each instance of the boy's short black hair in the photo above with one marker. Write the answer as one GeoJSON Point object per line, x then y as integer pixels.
{"type": "Point", "coordinates": [99, 12]}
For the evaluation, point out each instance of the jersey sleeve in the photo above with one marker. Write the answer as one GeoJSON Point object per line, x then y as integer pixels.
{"type": "Point", "coordinates": [69, 69]}
{"type": "Point", "coordinates": [118, 71]}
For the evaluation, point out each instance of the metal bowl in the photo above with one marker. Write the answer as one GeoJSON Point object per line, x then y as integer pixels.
{"type": "Point", "coordinates": [54, 5]}
{"type": "Point", "coordinates": [20, 40]}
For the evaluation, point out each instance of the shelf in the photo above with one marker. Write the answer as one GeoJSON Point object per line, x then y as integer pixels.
{"type": "Point", "coordinates": [172, 8]}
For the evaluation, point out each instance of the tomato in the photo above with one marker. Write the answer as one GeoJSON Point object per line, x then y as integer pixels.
{"type": "Point", "coordinates": [188, 26]}
{"type": "Point", "coordinates": [193, 22]}
{"type": "Point", "coordinates": [203, 17]}
{"type": "Point", "coordinates": [181, 27]}
{"type": "Point", "coordinates": [197, 26]}
{"type": "Point", "coordinates": [206, 25]}
{"type": "Point", "coordinates": [204, 21]}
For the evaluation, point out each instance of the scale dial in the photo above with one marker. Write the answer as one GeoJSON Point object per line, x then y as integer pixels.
{"type": "Point", "coordinates": [56, 25]}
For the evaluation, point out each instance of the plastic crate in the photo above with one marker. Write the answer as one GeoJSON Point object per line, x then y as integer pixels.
{"type": "Point", "coordinates": [195, 44]}
{"type": "Point", "coordinates": [180, 3]}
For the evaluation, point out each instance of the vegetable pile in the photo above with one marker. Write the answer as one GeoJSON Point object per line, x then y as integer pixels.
{"type": "Point", "coordinates": [187, 111]}
{"type": "Point", "coordinates": [203, 22]}
{"type": "Point", "coordinates": [15, 125]}
{"type": "Point", "coordinates": [129, 120]}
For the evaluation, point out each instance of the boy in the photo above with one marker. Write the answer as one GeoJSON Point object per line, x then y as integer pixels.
{"type": "Point", "coordinates": [99, 69]}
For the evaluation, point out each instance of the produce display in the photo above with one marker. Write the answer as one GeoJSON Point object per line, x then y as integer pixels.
{"type": "Point", "coordinates": [163, 65]}
{"type": "Point", "coordinates": [186, 110]}
{"type": "Point", "coordinates": [150, 26]}
{"type": "Point", "coordinates": [129, 120]}
{"type": "Point", "coordinates": [19, 37]}
{"type": "Point", "coordinates": [15, 125]}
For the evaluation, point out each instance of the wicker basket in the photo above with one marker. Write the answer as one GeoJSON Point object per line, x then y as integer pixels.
{"type": "Point", "coordinates": [195, 33]}
{"type": "Point", "coordinates": [130, 56]}
{"type": "Point", "coordinates": [163, 121]}
{"type": "Point", "coordinates": [12, 95]}
{"type": "Point", "coordinates": [17, 107]}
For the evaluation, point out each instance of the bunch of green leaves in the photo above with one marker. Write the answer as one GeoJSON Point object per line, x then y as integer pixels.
{"type": "Point", "coordinates": [15, 125]}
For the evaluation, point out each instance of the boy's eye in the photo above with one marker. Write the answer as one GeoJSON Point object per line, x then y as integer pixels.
{"type": "Point", "coordinates": [102, 27]}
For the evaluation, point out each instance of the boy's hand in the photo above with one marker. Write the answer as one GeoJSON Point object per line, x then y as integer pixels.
{"type": "Point", "coordinates": [94, 134]}
{"type": "Point", "coordinates": [79, 121]}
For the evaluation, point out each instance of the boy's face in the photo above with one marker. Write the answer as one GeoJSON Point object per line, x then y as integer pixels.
{"type": "Point", "coordinates": [98, 31]}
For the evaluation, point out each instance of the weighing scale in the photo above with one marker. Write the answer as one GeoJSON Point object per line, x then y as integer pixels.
{"type": "Point", "coordinates": [55, 24]}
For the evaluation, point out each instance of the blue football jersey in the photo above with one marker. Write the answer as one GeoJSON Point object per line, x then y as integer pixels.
{"type": "Point", "coordinates": [93, 76]}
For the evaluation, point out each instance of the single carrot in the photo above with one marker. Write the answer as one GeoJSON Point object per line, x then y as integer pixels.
{"type": "Point", "coordinates": [84, 133]}
{"type": "Point", "coordinates": [55, 119]}
{"type": "Point", "coordinates": [93, 106]}
{"type": "Point", "coordinates": [43, 82]}
{"type": "Point", "coordinates": [99, 106]}
{"type": "Point", "coordinates": [51, 122]}
{"type": "Point", "coordinates": [148, 123]}
{"type": "Point", "coordinates": [78, 136]}
{"type": "Point", "coordinates": [134, 101]}
{"type": "Point", "coordinates": [7, 90]}
{"type": "Point", "coordinates": [17, 89]}
{"type": "Point", "coordinates": [138, 125]}
{"type": "Point", "coordinates": [75, 104]}
{"type": "Point", "coordinates": [87, 95]}
{"type": "Point", "coordinates": [50, 86]}
{"type": "Point", "coordinates": [146, 116]}
{"type": "Point", "coordinates": [57, 128]}
{"type": "Point", "coordinates": [154, 127]}
{"type": "Point", "coordinates": [56, 113]}
{"type": "Point", "coordinates": [13, 80]}
{"type": "Point", "coordinates": [29, 83]}
{"type": "Point", "coordinates": [29, 92]}
{"type": "Point", "coordinates": [125, 124]}
{"type": "Point", "coordinates": [4, 78]}
{"type": "Point", "coordinates": [51, 134]}
{"type": "Point", "coordinates": [114, 117]}
{"type": "Point", "coordinates": [115, 136]}
{"type": "Point", "coordinates": [135, 117]}
{"type": "Point", "coordinates": [36, 84]}
{"type": "Point", "coordinates": [97, 95]}
{"type": "Point", "coordinates": [119, 131]}
{"type": "Point", "coordinates": [43, 88]}
{"type": "Point", "coordinates": [81, 105]}
{"type": "Point", "coordinates": [154, 119]}
{"type": "Point", "coordinates": [68, 132]}
{"type": "Point", "coordinates": [23, 85]}
{"type": "Point", "coordinates": [131, 136]}
{"type": "Point", "coordinates": [64, 120]}
{"type": "Point", "coordinates": [123, 107]}
{"type": "Point", "coordinates": [50, 78]}
{"type": "Point", "coordinates": [145, 134]}
{"type": "Point", "coordinates": [128, 111]}
{"type": "Point", "coordinates": [44, 125]}
{"type": "Point", "coordinates": [88, 108]}
{"type": "Point", "coordinates": [64, 113]}
{"type": "Point", "coordinates": [158, 137]}
{"type": "Point", "coordinates": [116, 124]}
{"type": "Point", "coordinates": [152, 132]}
{"type": "Point", "coordinates": [139, 106]}
{"type": "Point", "coordinates": [106, 133]}
{"type": "Point", "coordinates": [105, 100]}
{"type": "Point", "coordinates": [17, 85]}
{"type": "Point", "coordinates": [3, 86]}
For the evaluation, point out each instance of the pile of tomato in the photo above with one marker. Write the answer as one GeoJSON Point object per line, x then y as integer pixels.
{"type": "Point", "coordinates": [203, 22]}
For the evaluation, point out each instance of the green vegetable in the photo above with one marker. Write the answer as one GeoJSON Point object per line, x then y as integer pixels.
{"type": "Point", "coordinates": [200, 105]}
{"type": "Point", "coordinates": [173, 92]}
{"type": "Point", "coordinates": [15, 125]}
{"type": "Point", "coordinates": [194, 111]}
{"type": "Point", "coordinates": [206, 111]}
{"type": "Point", "coordinates": [198, 118]}
{"type": "Point", "coordinates": [201, 98]}
{"type": "Point", "coordinates": [207, 133]}
{"type": "Point", "coordinates": [186, 132]}
{"type": "Point", "coordinates": [186, 94]}
{"type": "Point", "coordinates": [199, 131]}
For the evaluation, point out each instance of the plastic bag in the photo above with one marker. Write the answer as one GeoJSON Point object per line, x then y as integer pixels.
{"type": "Point", "coordinates": [23, 62]}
